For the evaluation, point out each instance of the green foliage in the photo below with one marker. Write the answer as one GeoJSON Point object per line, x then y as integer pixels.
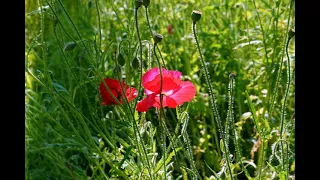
{"type": "Point", "coordinates": [71, 46]}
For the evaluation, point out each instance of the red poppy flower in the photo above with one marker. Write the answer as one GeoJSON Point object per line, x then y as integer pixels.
{"type": "Point", "coordinates": [175, 91]}
{"type": "Point", "coordinates": [170, 29]}
{"type": "Point", "coordinates": [115, 88]}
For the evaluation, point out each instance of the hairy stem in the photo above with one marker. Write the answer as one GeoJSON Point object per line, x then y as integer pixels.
{"type": "Point", "coordinates": [212, 99]}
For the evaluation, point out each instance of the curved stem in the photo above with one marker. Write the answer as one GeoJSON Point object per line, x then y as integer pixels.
{"type": "Point", "coordinates": [283, 113]}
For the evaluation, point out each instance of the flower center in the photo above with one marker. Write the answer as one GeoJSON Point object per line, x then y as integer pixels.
{"type": "Point", "coordinates": [167, 93]}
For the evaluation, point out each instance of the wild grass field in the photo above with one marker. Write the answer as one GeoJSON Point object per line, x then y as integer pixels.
{"type": "Point", "coordinates": [159, 89]}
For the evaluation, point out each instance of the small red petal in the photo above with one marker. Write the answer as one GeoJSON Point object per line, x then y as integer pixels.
{"type": "Point", "coordinates": [115, 88]}
{"type": "Point", "coordinates": [131, 93]}
{"type": "Point", "coordinates": [146, 103]}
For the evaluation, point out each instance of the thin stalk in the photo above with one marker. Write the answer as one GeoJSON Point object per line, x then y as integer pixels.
{"type": "Point", "coordinates": [73, 25]}
{"type": "Point", "coordinates": [263, 34]}
{"type": "Point", "coordinates": [99, 23]}
{"type": "Point", "coordinates": [275, 90]}
{"type": "Point", "coordinates": [140, 80]}
{"type": "Point", "coordinates": [148, 22]}
{"type": "Point", "coordinates": [233, 129]}
{"type": "Point", "coordinates": [282, 118]}
{"type": "Point", "coordinates": [275, 43]}
{"type": "Point", "coordinates": [161, 58]}
{"type": "Point", "coordinates": [283, 113]}
{"type": "Point", "coordinates": [161, 113]}
{"type": "Point", "coordinates": [47, 76]}
{"type": "Point", "coordinates": [140, 48]}
{"type": "Point", "coordinates": [213, 101]}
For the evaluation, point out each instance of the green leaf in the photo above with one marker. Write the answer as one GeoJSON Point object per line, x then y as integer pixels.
{"type": "Point", "coordinates": [160, 163]}
{"type": "Point", "coordinates": [253, 112]}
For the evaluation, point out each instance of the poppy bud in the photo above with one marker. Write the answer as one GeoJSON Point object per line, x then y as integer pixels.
{"type": "Point", "coordinates": [146, 3]}
{"type": "Point", "coordinates": [138, 3]}
{"type": "Point", "coordinates": [291, 33]}
{"type": "Point", "coordinates": [70, 46]}
{"type": "Point", "coordinates": [135, 62]}
{"type": "Point", "coordinates": [196, 15]}
{"type": "Point", "coordinates": [89, 4]}
{"type": "Point", "coordinates": [157, 37]}
{"type": "Point", "coordinates": [121, 59]}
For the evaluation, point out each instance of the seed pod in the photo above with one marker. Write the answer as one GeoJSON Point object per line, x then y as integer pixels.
{"type": "Point", "coordinates": [121, 59]}
{"type": "Point", "coordinates": [70, 46]}
{"type": "Point", "coordinates": [291, 33]}
{"type": "Point", "coordinates": [124, 35]}
{"type": "Point", "coordinates": [135, 62]}
{"type": "Point", "coordinates": [196, 15]}
{"type": "Point", "coordinates": [146, 3]}
{"type": "Point", "coordinates": [138, 3]}
{"type": "Point", "coordinates": [157, 37]}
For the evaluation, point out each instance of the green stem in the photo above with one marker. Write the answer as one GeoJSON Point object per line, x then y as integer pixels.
{"type": "Point", "coordinates": [263, 34]}
{"type": "Point", "coordinates": [161, 113]}
{"type": "Point", "coordinates": [98, 22]}
{"type": "Point", "coordinates": [73, 25]}
{"type": "Point", "coordinates": [148, 22]}
{"type": "Point", "coordinates": [135, 128]}
{"type": "Point", "coordinates": [47, 76]}
{"type": "Point", "coordinates": [162, 58]}
{"type": "Point", "coordinates": [283, 113]}
{"type": "Point", "coordinates": [213, 101]}
{"type": "Point", "coordinates": [140, 48]}
{"type": "Point", "coordinates": [275, 90]}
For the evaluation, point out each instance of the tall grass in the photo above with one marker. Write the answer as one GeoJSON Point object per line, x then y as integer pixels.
{"type": "Point", "coordinates": [239, 55]}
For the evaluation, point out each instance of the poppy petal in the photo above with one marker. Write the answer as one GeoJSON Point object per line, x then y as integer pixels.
{"type": "Point", "coordinates": [168, 84]}
{"type": "Point", "coordinates": [150, 75]}
{"type": "Point", "coordinates": [107, 98]}
{"type": "Point", "coordinates": [146, 103]}
{"type": "Point", "coordinates": [131, 93]}
{"type": "Point", "coordinates": [185, 93]}
{"type": "Point", "coordinates": [115, 88]}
